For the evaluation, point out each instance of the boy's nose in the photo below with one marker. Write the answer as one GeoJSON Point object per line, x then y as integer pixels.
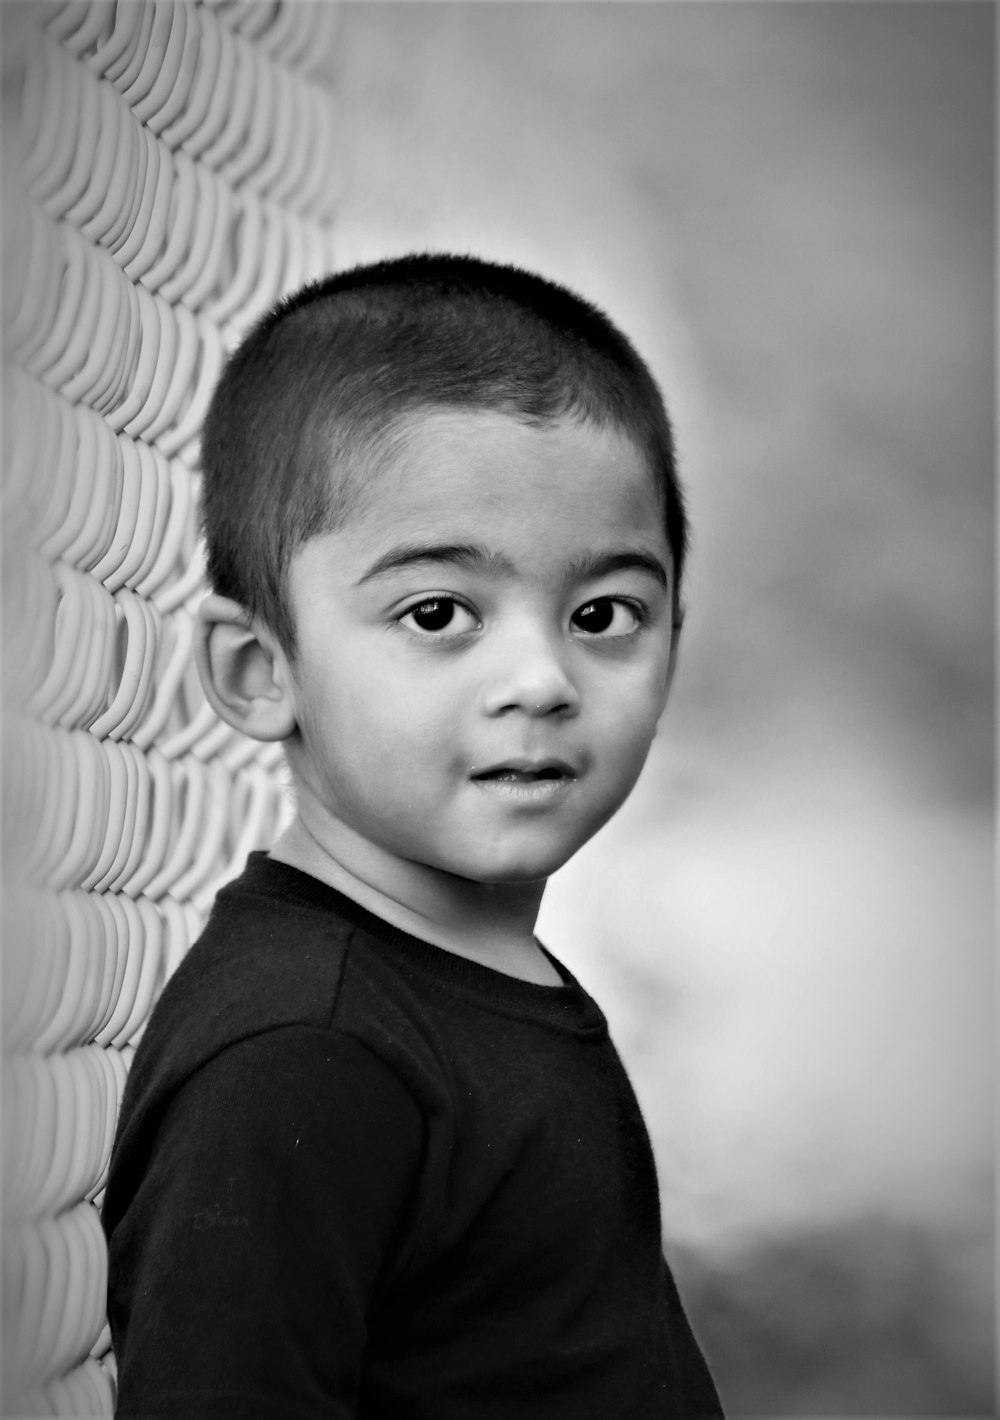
{"type": "Point", "coordinates": [529, 674]}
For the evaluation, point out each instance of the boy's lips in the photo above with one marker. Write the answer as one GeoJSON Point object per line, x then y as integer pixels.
{"type": "Point", "coordinates": [526, 781]}
{"type": "Point", "coordinates": [525, 771]}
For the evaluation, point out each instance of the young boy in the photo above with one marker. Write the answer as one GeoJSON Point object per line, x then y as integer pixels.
{"type": "Point", "coordinates": [377, 1156]}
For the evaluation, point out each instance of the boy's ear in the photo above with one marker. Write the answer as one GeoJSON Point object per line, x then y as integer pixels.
{"type": "Point", "coordinates": [243, 670]}
{"type": "Point", "coordinates": [676, 627]}
{"type": "Point", "coordinates": [675, 643]}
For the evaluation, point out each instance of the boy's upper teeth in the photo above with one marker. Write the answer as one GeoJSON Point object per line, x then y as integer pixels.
{"type": "Point", "coordinates": [512, 772]}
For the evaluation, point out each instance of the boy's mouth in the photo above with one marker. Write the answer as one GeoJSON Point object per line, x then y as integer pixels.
{"type": "Point", "coordinates": [524, 772]}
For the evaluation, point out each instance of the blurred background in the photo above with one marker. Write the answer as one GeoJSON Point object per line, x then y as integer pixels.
{"type": "Point", "coordinates": [790, 208]}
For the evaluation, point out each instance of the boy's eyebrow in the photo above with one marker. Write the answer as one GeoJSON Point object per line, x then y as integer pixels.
{"type": "Point", "coordinates": [603, 564]}
{"type": "Point", "coordinates": [462, 554]}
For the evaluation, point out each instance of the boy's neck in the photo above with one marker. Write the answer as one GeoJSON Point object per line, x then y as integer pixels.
{"type": "Point", "coordinates": [489, 923]}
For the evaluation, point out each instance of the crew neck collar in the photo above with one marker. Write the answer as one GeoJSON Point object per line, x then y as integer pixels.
{"type": "Point", "coordinates": [567, 1006]}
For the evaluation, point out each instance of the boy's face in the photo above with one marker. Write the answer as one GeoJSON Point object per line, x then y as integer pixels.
{"type": "Point", "coordinates": [484, 646]}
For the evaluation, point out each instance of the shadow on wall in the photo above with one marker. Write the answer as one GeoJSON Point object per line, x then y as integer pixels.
{"type": "Point", "coordinates": [867, 1319]}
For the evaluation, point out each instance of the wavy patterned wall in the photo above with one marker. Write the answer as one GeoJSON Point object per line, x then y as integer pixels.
{"type": "Point", "coordinates": [170, 171]}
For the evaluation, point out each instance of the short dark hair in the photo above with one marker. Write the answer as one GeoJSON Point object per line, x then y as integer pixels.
{"type": "Point", "coordinates": [334, 368]}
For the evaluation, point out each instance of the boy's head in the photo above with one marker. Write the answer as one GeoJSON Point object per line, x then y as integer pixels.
{"type": "Point", "coordinates": [310, 404]}
{"type": "Point", "coordinates": [445, 538]}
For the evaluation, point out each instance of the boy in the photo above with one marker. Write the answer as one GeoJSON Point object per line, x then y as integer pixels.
{"type": "Point", "coordinates": [377, 1156]}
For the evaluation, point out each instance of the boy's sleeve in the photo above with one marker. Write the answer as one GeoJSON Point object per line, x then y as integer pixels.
{"type": "Point", "coordinates": [242, 1270]}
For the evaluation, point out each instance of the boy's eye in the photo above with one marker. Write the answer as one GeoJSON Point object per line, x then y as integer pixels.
{"type": "Point", "coordinates": [439, 614]}
{"type": "Point", "coordinates": [606, 616]}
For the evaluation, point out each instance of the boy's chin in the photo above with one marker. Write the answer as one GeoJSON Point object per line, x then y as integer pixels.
{"type": "Point", "coordinates": [514, 864]}
{"type": "Point", "coordinates": [513, 872]}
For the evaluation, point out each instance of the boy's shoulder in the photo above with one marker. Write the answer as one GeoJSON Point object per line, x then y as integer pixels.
{"type": "Point", "coordinates": [261, 962]}
{"type": "Point", "coordinates": [273, 957]}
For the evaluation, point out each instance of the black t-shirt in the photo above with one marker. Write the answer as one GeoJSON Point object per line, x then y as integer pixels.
{"type": "Point", "coordinates": [357, 1175]}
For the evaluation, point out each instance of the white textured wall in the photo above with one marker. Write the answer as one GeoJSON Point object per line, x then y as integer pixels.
{"type": "Point", "coordinates": [169, 171]}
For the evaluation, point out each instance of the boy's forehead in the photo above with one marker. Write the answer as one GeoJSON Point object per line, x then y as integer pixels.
{"type": "Point", "coordinates": [439, 459]}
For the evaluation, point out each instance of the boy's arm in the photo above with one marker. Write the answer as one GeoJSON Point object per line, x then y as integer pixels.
{"type": "Point", "coordinates": [242, 1269]}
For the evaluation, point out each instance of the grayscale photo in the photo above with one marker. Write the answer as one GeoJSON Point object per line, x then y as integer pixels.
{"type": "Point", "coordinates": [498, 709]}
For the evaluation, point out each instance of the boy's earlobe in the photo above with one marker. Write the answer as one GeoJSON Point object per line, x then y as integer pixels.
{"type": "Point", "coordinates": [243, 670]}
